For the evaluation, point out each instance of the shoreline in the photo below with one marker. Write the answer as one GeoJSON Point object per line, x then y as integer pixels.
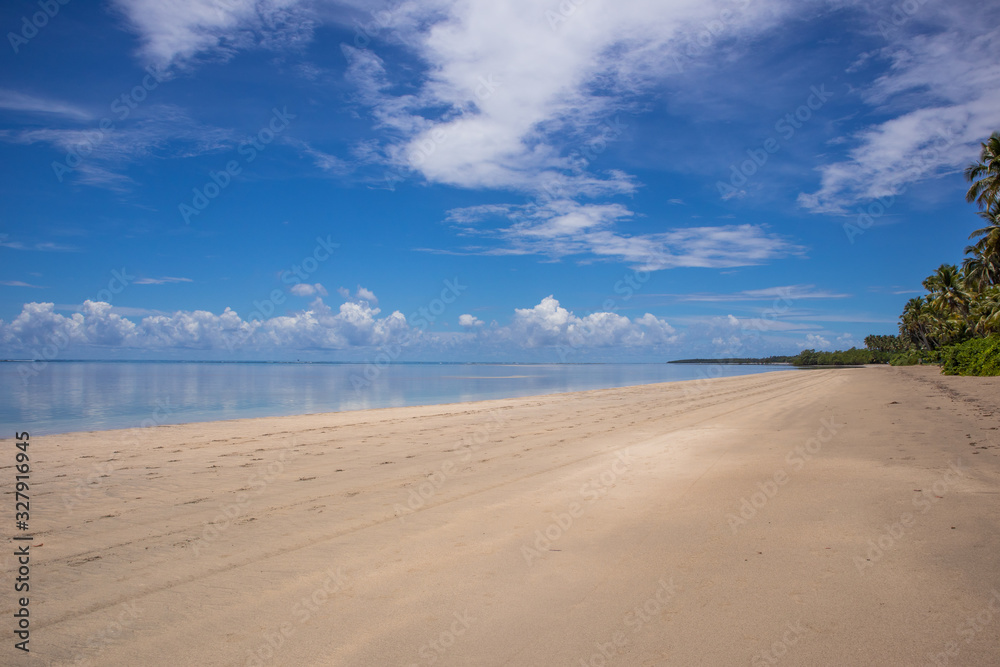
{"type": "Point", "coordinates": [236, 421]}
{"type": "Point", "coordinates": [163, 413]}
{"type": "Point", "coordinates": [841, 516]}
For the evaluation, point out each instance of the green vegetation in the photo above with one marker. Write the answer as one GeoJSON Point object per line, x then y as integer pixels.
{"type": "Point", "coordinates": [979, 356]}
{"type": "Point", "coordinates": [957, 323]}
{"type": "Point", "coordinates": [884, 343]}
{"type": "Point", "coordinates": [960, 314]}
{"type": "Point", "coordinates": [851, 357]}
{"type": "Point", "coordinates": [736, 360]}
{"type": "Point", "coordinates": [915, 357]}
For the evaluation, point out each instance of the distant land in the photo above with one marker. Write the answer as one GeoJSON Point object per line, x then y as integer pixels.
{"type": "Point", "coordinates": [738, 361]}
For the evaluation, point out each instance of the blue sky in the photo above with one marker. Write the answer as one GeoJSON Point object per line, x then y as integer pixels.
{"type": "Point", "coordinates": [520, 181]}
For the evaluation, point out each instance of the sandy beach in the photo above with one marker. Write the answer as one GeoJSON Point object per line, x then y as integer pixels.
{"type": "Point", "coordinates": [826, 517]}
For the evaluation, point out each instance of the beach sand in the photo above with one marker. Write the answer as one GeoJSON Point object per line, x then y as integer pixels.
{"type": "Point", "coordinates": [825, 517]}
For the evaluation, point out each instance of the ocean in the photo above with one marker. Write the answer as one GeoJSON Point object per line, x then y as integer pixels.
{"type": "Point", "coordinates": [61, 397]}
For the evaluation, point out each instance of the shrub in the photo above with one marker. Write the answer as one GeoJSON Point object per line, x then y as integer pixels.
{"type": "Point", "coordinates": [915, 357]}
{"type": "Point", "coordinates": [979, 356]}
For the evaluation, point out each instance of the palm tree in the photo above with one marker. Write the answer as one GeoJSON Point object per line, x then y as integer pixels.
{"type": "Point", "coordinates": [986, 312]}
{"type": "Point", "coordinates": [914, 324]}
{"type": "Point", "coordinates": [947, 290]}
{"type": "Point", "coordinates": [985, 176]}
{"type": "Point", "coordinates": [982, 266]}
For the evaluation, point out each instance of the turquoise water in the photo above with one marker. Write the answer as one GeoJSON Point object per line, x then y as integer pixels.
{"type": "Point", "coordinates": [88, 396]}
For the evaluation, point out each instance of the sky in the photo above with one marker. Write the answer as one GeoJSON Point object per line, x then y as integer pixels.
{"type": "Point", "coordinates": [471, 180]}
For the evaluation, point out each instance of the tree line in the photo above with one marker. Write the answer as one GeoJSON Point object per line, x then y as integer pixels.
{"type": "Point", "coordinates": [957, 322]}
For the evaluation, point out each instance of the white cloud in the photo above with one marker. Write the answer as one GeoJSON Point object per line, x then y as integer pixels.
{"type": "Point", "coordinates": [94, 157]}
{"type": "Point", "coordinates": [16, 101]}
{"type": "Point", "coordinates": [319, 327]}
{"type": "Point", "coordinates": [548, 324]}
{"type": "Point", "coordinates": [305, 289]}
{"type": "Point", "coordinates": [354, 324]}
{"type": "Point", "coordinates": [562, 228]}
{"type": "Point", "coordinates": [360, 294]}
{"type": "Point", "coordinates": [469, 321]}
{"type": "Point", "coordinates": [784, 294]}
{"type": "Point", "coordinates": [42, 247]}
{"type": "Point", "coordinates": [846, 341]}
{"type": "Point", "coordinates": [174, 32]}
{"type": "Point", "coordinates": [942, 91]}
{"type": "Point", "coordinates": [816, 342]}
{"type": "Point", "coordinates": [18, 283]}
{"type": "Point", "coordinates": [485, 114]}
{"type": "Point", "coordinates": [162, 281]}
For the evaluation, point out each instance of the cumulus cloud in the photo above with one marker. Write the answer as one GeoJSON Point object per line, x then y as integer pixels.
{"type": "Point", "coordinates": [360, 294]}
{"type": "Point", "coordinates": [354, 324]}
{"type": "Point", "coordinates": [469, 321]}
{"type": "Point", "coordinates": [319, 327]}
{"type": "Point", "coordinates": [548, 324]}
{"type": "Point", "coordinates": [816, 342]}
{"type": "Point", "coordinates": [305, 289]}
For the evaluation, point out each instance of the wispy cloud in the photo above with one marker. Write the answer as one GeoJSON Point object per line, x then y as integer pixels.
{"type": "Point", "coordinates": [12, 100]}
{"type": "Point", "coordinates": [101, 156]}
{"type": "Point", "coordinates": [942, 92]}
{"type": "Point", "coordinates": [564, 228]}
{"type": "Point", "coordinates": [786, 292]}
{"type": "Point", "coordinates": [18, 283]}
{"type": "Point", "coordinates": [161, 281]}
{"type": "Point", "coordinates": [173, 33]}
{"type": "Point", "coordinates": [41, 246]}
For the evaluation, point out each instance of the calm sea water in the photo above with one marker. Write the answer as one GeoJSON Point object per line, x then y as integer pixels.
{"type": "Point", "coordinates": [89, 396]}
